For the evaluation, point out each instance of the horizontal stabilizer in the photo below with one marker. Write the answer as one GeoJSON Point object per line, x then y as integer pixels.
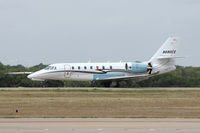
{"type": "Point", "coordinates": [37, 79]}
{"type": "Point", "coordinates": [171, 57]}
{"type": "Point", "coordinates": [20, 73]}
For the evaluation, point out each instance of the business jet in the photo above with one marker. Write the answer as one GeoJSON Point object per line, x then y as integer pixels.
{"type": "Point", "coordinates": [163, 61]}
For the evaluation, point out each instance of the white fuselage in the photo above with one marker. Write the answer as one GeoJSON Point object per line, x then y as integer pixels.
{"type": "Point", "coordinates": [163, 61]}
{"type": "Point", "coordinates": [92, 71]}
{"type": "Point", "coordinates": [84, 71]}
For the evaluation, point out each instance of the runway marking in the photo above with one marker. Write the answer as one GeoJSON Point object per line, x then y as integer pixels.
{"type": "Point", "coordinates": [151, 129]}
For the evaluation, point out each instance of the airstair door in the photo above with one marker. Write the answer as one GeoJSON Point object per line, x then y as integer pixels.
{"type": "Point", "coordinates": [67, 71]}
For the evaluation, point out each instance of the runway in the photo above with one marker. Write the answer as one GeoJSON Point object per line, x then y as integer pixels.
{"type": "Point", "coordinates": [99, 125]}
{"type": "Point", "coordinates": [92, 88]}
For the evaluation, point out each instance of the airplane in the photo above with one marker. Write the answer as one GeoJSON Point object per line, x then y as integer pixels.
{"type": "Point", "coordinates": [163, 61]}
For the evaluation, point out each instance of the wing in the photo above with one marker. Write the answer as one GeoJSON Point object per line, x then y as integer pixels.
{"type": "Point", "coordinates": [135, 78]}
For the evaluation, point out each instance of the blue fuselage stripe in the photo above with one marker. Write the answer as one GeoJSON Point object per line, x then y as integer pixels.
{"type": "Point", "coordinates": [104, 76]}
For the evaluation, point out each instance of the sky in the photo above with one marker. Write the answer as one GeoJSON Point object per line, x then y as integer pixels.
{"type": "Point", "coordinates": [62, 31]}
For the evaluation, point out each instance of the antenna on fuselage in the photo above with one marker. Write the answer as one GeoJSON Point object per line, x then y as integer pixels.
{"type": "Point", "coordinates": [89, 60]}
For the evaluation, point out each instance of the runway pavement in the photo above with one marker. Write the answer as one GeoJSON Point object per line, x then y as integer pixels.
{"type": "Point", "coordinates": [99, 125]}
{"type": "Point", "coordinates": [91, 88]}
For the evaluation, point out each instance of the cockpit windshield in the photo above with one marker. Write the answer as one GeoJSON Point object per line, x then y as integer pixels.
{"type": "Point", "coordinates": [50, 68]}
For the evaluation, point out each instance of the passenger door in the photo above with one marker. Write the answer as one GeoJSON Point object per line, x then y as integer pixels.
{"type": "Point", "coordinates": [67, 71]}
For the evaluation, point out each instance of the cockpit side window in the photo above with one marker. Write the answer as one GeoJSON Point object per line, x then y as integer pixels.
{"type": "Point", "coordinates": [47, 68]}
{"type": "Point", "coordinates": [50, 68]}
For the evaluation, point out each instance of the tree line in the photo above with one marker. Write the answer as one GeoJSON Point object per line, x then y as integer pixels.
{"type": "Point", "coordinates": [182, 77]}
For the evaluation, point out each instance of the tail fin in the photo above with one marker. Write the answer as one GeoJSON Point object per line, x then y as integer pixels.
{"type": "Point", "coordinates": [165, 57]}
{"type": "Point", "coordinates": [167, 50]}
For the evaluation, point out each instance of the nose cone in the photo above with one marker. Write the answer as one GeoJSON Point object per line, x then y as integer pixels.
{"type": "Point", "coordinates": [31, 76]}
{"type": "Point", "coordinates": [37, 76]}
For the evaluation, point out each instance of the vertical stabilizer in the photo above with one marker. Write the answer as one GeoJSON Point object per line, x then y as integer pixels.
{"type": "Point", "coordinates": [164, 58]}
{"type": "Point", "coordinates": [167, 50]}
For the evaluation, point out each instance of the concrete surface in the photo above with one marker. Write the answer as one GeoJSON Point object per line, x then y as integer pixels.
{"type": "Point", "coordinates": [91, 88]}
{"type": "Point", "coordinates": [93, 125]}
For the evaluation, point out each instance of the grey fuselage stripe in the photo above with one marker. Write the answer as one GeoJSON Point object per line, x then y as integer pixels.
{"type": "Point", "coordinates": [92, 72]}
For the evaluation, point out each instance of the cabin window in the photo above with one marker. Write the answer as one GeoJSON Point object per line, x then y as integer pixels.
{"type": "Point", "coordinates": [73, 67]}
{"type": "Point", "coordinates": [79, 67]}
{"type": "Point", "coordinates": [103, 67]}
{"type": "Point", "coordinates": [110, 67]}
{"type": "Point", "coordinates": [91, 67]}
{"type": "Point", "coordinates": [51, 68]}
{"type": "Point", "coordinates": [85, 67]}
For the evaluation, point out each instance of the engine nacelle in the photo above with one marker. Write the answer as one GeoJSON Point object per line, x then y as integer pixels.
{"type": "Point", "coordinates": [139, 67]}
